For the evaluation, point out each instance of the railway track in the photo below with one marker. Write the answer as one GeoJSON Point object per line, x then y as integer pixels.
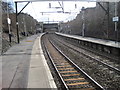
{"type": "Point", "coordinates": [70, 74]}
{"type": "Point", "coordinates": [94, 58]}
{"type": "Point", "coordinates": [104, 73]}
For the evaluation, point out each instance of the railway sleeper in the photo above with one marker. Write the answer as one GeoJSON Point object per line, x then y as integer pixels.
{"type": "Point", "coordinates": [65, 69]}
{"type": "Point", "coordinates": [64, 66]}
{"type": "Point", "coordinates": [68, 72]}
{"type": "Point", "coordinates": [80, 85]}
{"type": "Point", "coordinates": [75, 81]}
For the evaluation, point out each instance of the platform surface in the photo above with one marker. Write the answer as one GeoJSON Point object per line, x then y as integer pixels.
{"type": "Point", "coordinates": [94, 40]}
{"type": "Point", "coordinates": [24, 66]}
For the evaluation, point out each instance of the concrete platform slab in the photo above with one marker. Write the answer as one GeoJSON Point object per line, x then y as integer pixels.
{"type": "Point", "coordinates": [24, 66]}
{"type": "Point", "coordinates": [39, 72]}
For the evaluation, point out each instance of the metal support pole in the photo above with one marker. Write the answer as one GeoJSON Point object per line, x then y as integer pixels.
{"type": "Point", "coordinates": [116, 22]}
{"type": "Point", "coordinates": [102, 7]}
{"type": "Point", "coordinates": [17, 23]}
{"type": "Point", "coordinates": [23, 8]}
{"type": "Point", "coordinates": [9, 33]}
{"type": "Point", "coordinates": [62, 5]}
{"type": "Point", "coordinates": [108, 15]}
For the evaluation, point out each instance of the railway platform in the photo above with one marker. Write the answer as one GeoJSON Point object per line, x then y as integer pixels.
{"type": "Point", "coordinates": [24, 66]}
{"type": "Point", "coordinates": [94, 40]}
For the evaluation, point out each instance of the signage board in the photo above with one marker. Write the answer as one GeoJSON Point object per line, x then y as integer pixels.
{"type": "Point", "coordinates": [115, 19]}
{"type": "Point", "coordinates": [9, 21]}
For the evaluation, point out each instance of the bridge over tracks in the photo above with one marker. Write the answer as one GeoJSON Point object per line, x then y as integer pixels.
{"type": "Point", "coordinates": [50, 26]}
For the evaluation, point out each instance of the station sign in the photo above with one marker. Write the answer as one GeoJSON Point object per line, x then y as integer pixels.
{"type": "Point", "coordinates": [9, 21]}
{"type": "Point", "coordinates": [115, 19]}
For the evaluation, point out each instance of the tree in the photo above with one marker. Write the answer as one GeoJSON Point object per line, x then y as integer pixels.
{"type": "Point", "coordinates": [6, 6]}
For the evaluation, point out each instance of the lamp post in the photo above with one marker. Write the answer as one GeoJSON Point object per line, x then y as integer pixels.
{"type": "Point", "coordinates": [9, 22]}
{"type": "Point", "coordinates": [18, 40]}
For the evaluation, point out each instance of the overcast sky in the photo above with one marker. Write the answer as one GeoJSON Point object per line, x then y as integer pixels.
{"type": "Point", "coordinates": [35, 9]}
